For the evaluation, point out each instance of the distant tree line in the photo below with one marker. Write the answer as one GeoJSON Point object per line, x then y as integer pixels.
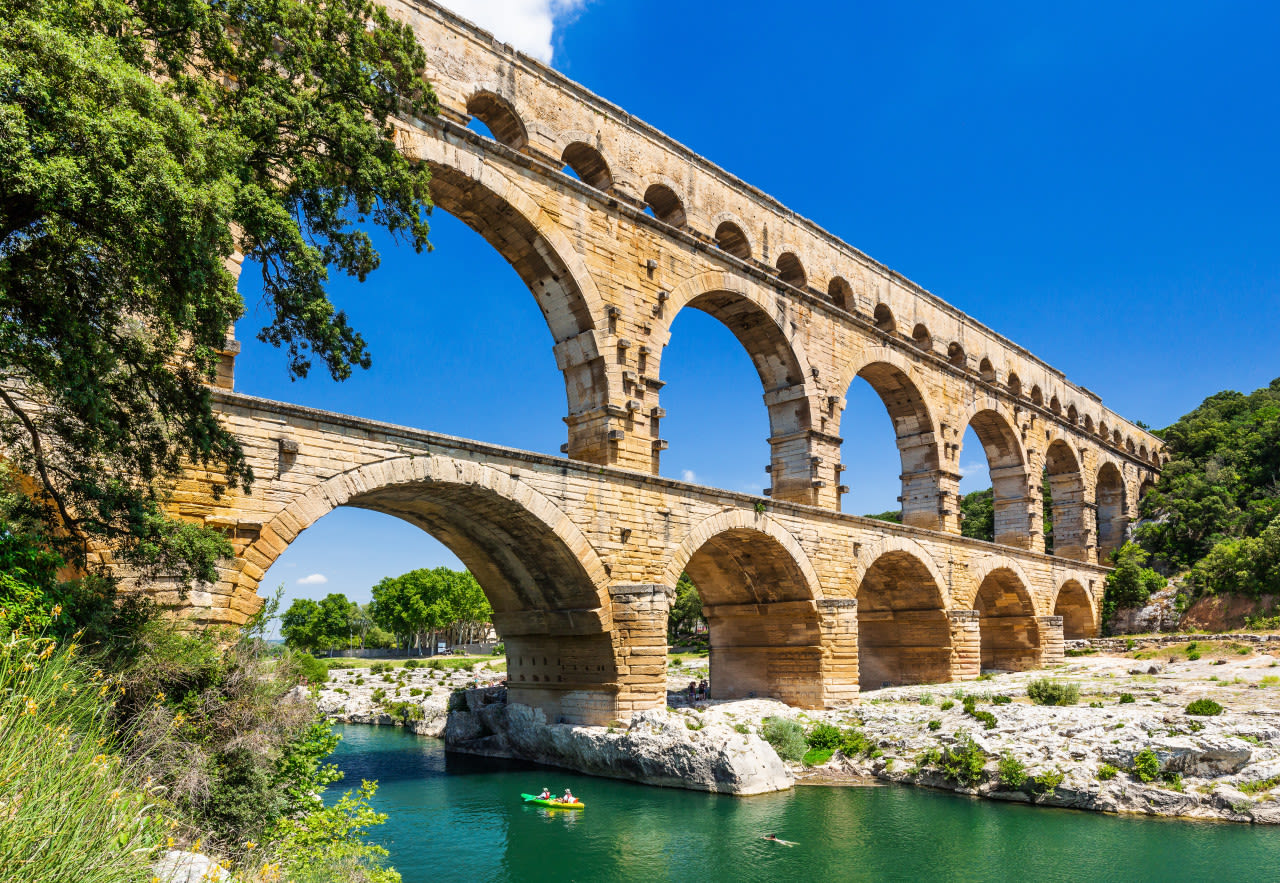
{"type": "Point", "coordinates": [412, 612]}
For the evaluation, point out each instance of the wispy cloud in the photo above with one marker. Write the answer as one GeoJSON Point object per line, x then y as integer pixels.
{"type": "Point", "coordinates": [689, 475]}
{"type": "Point", "coordinates": [313, 579]}
{"type": "Point", "coordinates": [968, 469]}
{"type": "Point", "coordinates": [527, 25]}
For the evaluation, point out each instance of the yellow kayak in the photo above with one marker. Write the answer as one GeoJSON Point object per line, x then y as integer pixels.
{"type": "Point", "coordinates": [556, 804]}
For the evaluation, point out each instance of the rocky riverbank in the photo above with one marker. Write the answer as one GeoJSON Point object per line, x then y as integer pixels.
{"type": "Point", "coordinates": [1083, 756]}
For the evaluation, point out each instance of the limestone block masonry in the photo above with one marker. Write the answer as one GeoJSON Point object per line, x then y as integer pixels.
{"type": "Point", "coordinates": [615, 228]}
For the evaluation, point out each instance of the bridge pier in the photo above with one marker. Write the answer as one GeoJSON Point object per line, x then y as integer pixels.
{"type": "Point", "coordinates": [966, 644]}
{"type": "Point", "coordinates": [931, 499]}
{"type": "Point", "coordinates": [1052, 646]}
{"type": "Point", "coordinates": [640, 645]}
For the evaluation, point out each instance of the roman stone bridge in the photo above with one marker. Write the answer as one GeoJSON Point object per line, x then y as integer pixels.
{"type": "Point", "coordinates": [615, 229]}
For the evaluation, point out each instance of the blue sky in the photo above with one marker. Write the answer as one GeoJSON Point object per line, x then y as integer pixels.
{"type": "Point", "coordinates": [1096, 181]}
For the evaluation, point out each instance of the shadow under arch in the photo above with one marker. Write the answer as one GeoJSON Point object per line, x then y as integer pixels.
{"type": "Point", "coordinates": [749, 312]}
{"type": "Point", "coordinates": [758, 593]}
{"type": "Point", "coordinates": [904, 634]}
{"type": "Point", "coordinates": [540, 574]}
{"type": "Point", "coordinates": [1007, 625]}
{"type": "Point", "coordinates": [1071, 532]}
{"type": "Point", "coordinates": [1007, 465]}
{"type": "Point", "coordinates": [890, 375]}
{"type": "Point", "coordinates": [491, 203]}
{"type": "Point", "coordinates": [1078, 611]}
{"type": "Point", "coordinates": [1113, 521]}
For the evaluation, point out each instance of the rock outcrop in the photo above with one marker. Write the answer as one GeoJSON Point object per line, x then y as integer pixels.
{"type": "Point", "coordinates": [656, 747]}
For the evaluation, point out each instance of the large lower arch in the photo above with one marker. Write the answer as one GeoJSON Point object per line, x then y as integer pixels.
{"type": "Point", "coordinates": [904, 633]}
{"type": "Point", "coordinates": [1113, 513]}
{"type": "Point", "coordinates": [925, 486]}
{"type": "Point", "coordinates": [491, 203]}
{"type": "Point", "coordinates": [1015, 523]}
{"type": "Point", "coordinates": [762, 603]}
{"type": "Point", "coordinates": [1078, 611]}
{"type": "Point", "coordinates": [1072, 520]}
{"type": "Point", "coordinates": [1008, 628]}
{"type": "Point", "coordinates": [537, 569]}
{"type": "Point", "coordinates": [750, 312]}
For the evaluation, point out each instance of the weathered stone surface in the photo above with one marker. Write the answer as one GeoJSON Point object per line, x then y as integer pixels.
{"type": "Point", "coordinates": [657, 748]}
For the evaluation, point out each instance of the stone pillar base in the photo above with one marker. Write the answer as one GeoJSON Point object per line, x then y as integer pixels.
{"type": "Point", "coordinates": [838, 625]}
{"type": "Point", "coordinates": [640, 644]}
{"type": "Point", "coordinates": [966, 644]}
{"type": "Point", "coordinates": [1052, 648]}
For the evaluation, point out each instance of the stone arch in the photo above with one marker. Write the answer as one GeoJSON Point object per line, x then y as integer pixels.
{"type": "Point", "coordinates": [1089, 424]}
{"type": "Point", "coordinates": [986, 371]}
{"type": "Point", "coordinates": [1073, 416]}
{"type": "Point", "coordinates": [1037, 397]}
{"type": "Point", "coordinates": [1007, 464]}
{"type": "Point", "coordinates": [956, 356]}
{"type": "Point", "coordinates": [500, 116]}
{"type": "Point", "coordinates": [904, 633]}
{"type": "Point", "coordinates": [921, 337]}
{"type": "Point", "coordinates": [840, 292]}
{"type": "Point", "coordinates": [1077, 609]}
{"type": "Point", "coordinates": [750, 312]}
{"type": "Point", "coordinates": [1008, 629]}
{"type": "Point", "coordinates": [589, 164]}
{"type": "Point", "coordinates": [730, 237]}
{"type": "Point", "coordinates": [758, 593]}
{"type": "Point", "coordinates": [666, 204]}
{"type": "Point", "coordinates": [488, 201]}
{"type": "Point", "coordinates": [1071, 532]}
{"type": "Point", "coordinates": [1113, 520]}
{"type": "Point", "coordinates": [892, 376]}
{"type": "Point", "coordinates": [1014, 384]}
{"type": "Point", "coordinates": [543, 578]}
{"type": "Point", "coordinates": [1055, 406]}
{"type": "Point", "coordinates": [883, 318]}
{"type": "Point", "coordinates": [791, 271]}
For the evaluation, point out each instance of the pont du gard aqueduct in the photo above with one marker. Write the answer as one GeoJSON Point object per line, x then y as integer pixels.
{"type": "Point", "coordinates": [616, 228]}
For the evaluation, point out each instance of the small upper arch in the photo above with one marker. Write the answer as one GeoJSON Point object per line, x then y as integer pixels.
{"type": "Point", "coordinates": [955, 355]}
{"type": "Point", "coordinates": [666, 204]}
{"type": "Point", "coordinates": [840, 292]}
{"type": "Point", "coordinates": [883, 317]}
{"type": "Point", "coordinates": [588, 164]}
{"type": "Point", "coordinates": [1055, 406]}
{"type": "Point", "coordinates": [791, 271]}
{"type": "Point", "coordinates": [921, 337]}
{"type": "Point", "coordinates": [739, 523]}
{"type": "Point", "coordinates": [1014, 384]}
{"type": "Point", "coordinates": [1037, 397]}
{"type": "Point", "coordinates": [500, 116]}
{"type": "Point", "coordinates": [986, 371]}
{"type": "Point", "coordinates": [1073, 416]}
{"type": "Point", "coordinates": [730, 237]}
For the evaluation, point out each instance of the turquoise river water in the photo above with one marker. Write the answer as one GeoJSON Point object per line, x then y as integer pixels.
{"type": "Point", "coordinates": [458, 818]}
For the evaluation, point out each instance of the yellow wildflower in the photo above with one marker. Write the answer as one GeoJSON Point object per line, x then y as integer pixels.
{"type": "Point", "coordinates": [32, 705]}
{"type": "Point", "coordinates": [56, 611]}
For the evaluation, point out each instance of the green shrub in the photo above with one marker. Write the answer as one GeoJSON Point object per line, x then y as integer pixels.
{"type": "Point", "coordinates": [379, 667]}
{"type": "Point", "coordinates": [823, 736]}
{"type": "Point", "coordinates": [1012, 773]}
{"type": "Point", "coordinates": [742, 728]}
{"type": "Point", "coordinates": [786, 736]}
{"type": "Point", "coordinates": [1173, 780]}
{"type": "Point", "coordinates": [499, 649]}
{"type": "Point", "coordinates": [1046, 691]}
{"type": "Point", "coordinates": [316, 671]}
{"type": "Point", "coordinates": [817, 756]}
{"type": "Point", "coordinates": [1193, 655]}
{"type": "Point", "coordinates": [987, 718]}
{"type": "Point", "coordinates": [1130, 583]}
{"type": "Point", "coordinates": [947, 705]}
{"type": "Point", "coordinates": [1096, 704]}
{"type": "Point", "coordinates": [379, 694]}
{"type": "Point", "coordinates": [406, 711]}
{"type": "Point", "coordinates": [1146, 765]}
{"type": "Point", "coordinates": [1107, 772]}
{"type": "Point", "coordinates": [415, 691]}
{"type": "Point", "coordinates": [935, 725]}
{"type": "Point", "coordinates": [963, 762]}
{"type": "Point", "coordinates": [412, 664]}
{"type": "Point", "coordinates": [1126, 698]}
{"type": "Point", "coordinates": [1001, 700]}
{"type": "Point", "coordinates": [1204, 708]}
{"type": "Point", "coordinates": [1259, 785]}
{"type": "Point", "coordinates": [854, 742]}
{"type": "Point", "coordinates": [1047, 782]}
{"type": "Point", "coordinates": [926, 699]}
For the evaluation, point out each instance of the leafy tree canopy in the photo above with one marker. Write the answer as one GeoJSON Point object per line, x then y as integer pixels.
{"type": "Point", "coordinates": [142, 144]}
{"type": "Point", "coordinates": [436, 600]}
{"type": "Point", "coordinates": [1222, 482]}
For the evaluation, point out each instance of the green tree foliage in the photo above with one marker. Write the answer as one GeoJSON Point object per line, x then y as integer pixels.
{"type": "Point", "coordinates": [421, 604]}
{"type": "Point", "coordinates": [978, 515]}
{"type": "Point", "coordinates": [324, 625]}
{"type": "Point", "coordinates": [1130, 583]}
{"type": "Point", "coordinates": [1221, 486]}
{"type": "Point", "coordinates": [893, 516]}
{"type": "Point", "coordinates": [686, 610]}
{"type": "Point", "coordinates": [1242, 566]}
{"type": "Point", "coordinates": [141, 144]}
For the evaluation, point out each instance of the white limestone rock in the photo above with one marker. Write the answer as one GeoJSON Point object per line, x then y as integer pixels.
{"type": "Point", "coordinates": [177, 866]}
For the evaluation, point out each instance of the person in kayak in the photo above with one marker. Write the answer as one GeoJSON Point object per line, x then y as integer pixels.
{"type": "Point", "coordinates": [568, 797]}
{"type": "Point", "coordinates": [545, 795]}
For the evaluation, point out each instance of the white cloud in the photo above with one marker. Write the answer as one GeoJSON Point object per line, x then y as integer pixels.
{"type": "Point", "coordinates": [525, 24]}
{"type": "Point", "coordinates": [313, 579]}
{"type": "Point", "coordinates": [969, 469]}
{"type": "Point", "coordinates": [689, 475]}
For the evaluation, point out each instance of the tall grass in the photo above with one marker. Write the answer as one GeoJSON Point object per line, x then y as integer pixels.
{"type": "Point", "coordinates": [70, 810]}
